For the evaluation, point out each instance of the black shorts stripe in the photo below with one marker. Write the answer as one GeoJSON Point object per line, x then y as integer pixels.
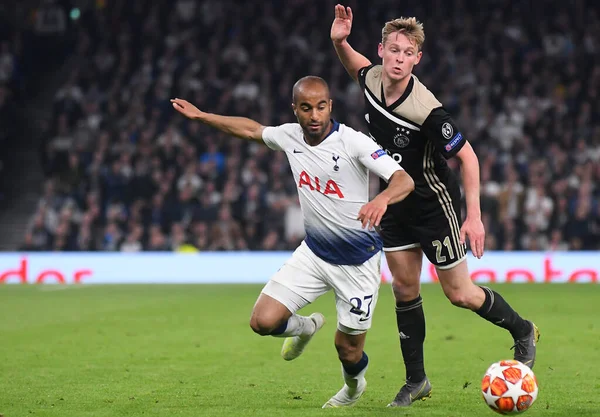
{"type": "Point", "coordinates": [439, 188]}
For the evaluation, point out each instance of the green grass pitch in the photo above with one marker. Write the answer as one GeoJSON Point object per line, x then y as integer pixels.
{"type": "Point", "coordinates": [147, 350]}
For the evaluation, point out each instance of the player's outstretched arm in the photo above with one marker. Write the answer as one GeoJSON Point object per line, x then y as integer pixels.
{"type": "Point", "coordinates": [241, 127]}
{"type": "Point", "coordinates": [400, 185]}
{"type": "Point", "coordinates": [340, 30]}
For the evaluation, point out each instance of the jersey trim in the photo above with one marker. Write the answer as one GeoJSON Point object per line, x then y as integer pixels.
{"type": "Point", "coordinates": [387, 114]}
{"type": "Point", "coordinates": [401, 248]}
{"type": "Point", "coordinates": [335, 126]}
{"type": "Point", "coordinates": [452, 265]}
{"type": "Point", "coordinates": [403, 97]}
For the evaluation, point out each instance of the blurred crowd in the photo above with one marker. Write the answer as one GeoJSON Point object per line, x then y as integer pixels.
{"type": "Point", "coordinates": [33, 43]}
{"type": "Point", "coordinates": [125, 172]}
{"type": "Point", "coordinates": [11, 87]}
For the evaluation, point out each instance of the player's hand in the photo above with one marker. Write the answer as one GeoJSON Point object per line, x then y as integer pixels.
{"type": "Point", "coordinates": [473, 229]}
{"type": "Point", "coordinates": [371, 213]}
{"type": "Point", "coordinates": [186, 108]}
{"type": "Point", "coordinates": [342, 24]}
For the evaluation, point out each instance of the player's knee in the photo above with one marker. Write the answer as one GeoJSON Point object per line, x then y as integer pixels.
{"type": "Point", "coordinates": [263, 326]}
{"type": "Point", "coordinates": [405, 289]}
{"type": "Point", "coordinates": [466, 296]}
{"type": "Point", "coordinates": [459, 299]}
{"type": "Point", "coordinates": [348, 353]}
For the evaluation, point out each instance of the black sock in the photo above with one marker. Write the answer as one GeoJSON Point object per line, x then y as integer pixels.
{"type": "Point", "coordinates": [496, 310]}
{"type": "Point", "coordinates": [355, 368]}
{"type": "Point", "coordinates": [411, 329]}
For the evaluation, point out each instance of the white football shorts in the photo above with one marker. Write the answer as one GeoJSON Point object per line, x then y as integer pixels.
{"type": "Point", "coordinates": [305, 277]}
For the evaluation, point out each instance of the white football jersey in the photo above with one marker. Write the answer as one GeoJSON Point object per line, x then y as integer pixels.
{"type": "Point", "coordinates": [333, 185]}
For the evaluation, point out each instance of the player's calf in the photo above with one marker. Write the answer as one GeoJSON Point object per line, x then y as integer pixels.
{"type": "Point", "coordinates": [484, 301]}
{"type": "Point", "coordinates": [471, 298]}
{"type": "Point", "coordinates": [459, 288]}
{"type": "Point", "coordinates": [496, 310]}
{"type": "Point", "coordinates": [348, 354]}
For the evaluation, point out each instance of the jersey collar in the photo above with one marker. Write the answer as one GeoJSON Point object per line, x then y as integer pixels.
{"type": "Point", "coordinates": [403, 97]}
{"type": "Point", "coordinates": [335, 126]}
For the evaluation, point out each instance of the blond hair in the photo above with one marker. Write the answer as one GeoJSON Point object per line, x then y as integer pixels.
{"type": "Point", "coordinates": [409, 26]}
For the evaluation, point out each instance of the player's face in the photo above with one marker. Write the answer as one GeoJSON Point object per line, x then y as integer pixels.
{"type": "Point", "coordinates": [313, 110]}
{"type": "Point", "coordinates": [399, 55]}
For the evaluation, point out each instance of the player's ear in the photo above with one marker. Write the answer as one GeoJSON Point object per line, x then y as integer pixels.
{"type": "Point", "coordinates": [330, 105]}
{"type": "Point", "coordinates": [294, 109]}
{"type": "Point", "coordinates": [419, 55]}
{"type": "Point", "coordinates": [380, 50]}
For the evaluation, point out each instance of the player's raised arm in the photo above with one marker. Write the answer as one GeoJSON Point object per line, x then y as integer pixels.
{"type": "Point", "coordinates": [241, 127]}
{"type": "Point", "coordinates": [340, 30]}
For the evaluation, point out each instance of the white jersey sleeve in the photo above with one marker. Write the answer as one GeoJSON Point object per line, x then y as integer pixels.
{"type": "Point", "coordinates": [277, 137]}
{"type": "Point", "coordinates": [373, 157]}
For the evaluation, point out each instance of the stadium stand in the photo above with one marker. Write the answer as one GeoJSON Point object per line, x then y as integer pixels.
{"type": "Point", "coordinates": [34, 42]}
{"type": "Point", "coordinates": [124, 172]}
{"type": "Point", "coordinates": [10, 90]}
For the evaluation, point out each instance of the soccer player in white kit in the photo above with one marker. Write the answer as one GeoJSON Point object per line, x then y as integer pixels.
{"type": "Point", "coordinates": [341, 251]}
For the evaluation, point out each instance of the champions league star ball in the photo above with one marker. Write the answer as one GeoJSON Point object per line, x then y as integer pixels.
{"type": "Point", "coordinates": [509, 387]}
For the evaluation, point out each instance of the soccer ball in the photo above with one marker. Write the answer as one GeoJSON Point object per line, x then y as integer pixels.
{"type": "Point", "coordinates": [509, 387]}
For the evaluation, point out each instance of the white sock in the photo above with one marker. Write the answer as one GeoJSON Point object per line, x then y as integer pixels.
{"type": "Point", "coordinates": [298, 326]}
{"type": "Point", "coordinates": [352, 380]}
